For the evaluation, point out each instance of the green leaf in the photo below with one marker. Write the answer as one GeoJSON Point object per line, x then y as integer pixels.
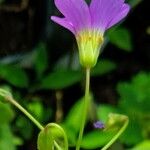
{"type": "Point", "coordinates": [23, 125]}
{"type": "Point", "coordinates": [61, 79]}
{"type": "Point", "coordinates": [74, 117]}
{"type": "Point", "coordinates": [14, 75]}
{"type": "Point", "coordinates": [6, 138]}
{"type": "Point", "coordinates": [41, 59]}
{"type": "Point", "coordinates": [52, 136]}
{"type": "Point", "coordinates": [121, 38]}
{"type": "Point", "coordinates": [103, 67]}
{"type": "Point", "coordinates": [96, 139]}
{"type": "Point", "coordinates": [36, 108]}
{"type": "Point", "coordinates": [134, 101]}
{"type": "Point", "coordinates": [2, 1]}
{"type": "Point", "coordinates": [18, 141]}
{"type": "Point", "coordinates": [103, 111]}
{"type": "Point", "coordinates": [73, 120]}
{"type": "Point", "coordinates": [71, 134]}
{"type": "Point", "coordinates": [133, 133]}
{"type": "Point", "coordinates": [134, 96]}
{"type": "Point", "coordinates": [6, 112]}
{"type": "Point", "coordinates": [145, 145]}
{"type": "Point", "coordinates": [134, 3]}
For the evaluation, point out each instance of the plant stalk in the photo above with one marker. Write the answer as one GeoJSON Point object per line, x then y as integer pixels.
{"type": "Point", "coordinates": [15, 103]}
{"type": "Point", "coordinates": [116, 136]}
{"type": "Point", "coordinates": [8, 97]}
{"type": "Point", "coordinates": [85, 108]}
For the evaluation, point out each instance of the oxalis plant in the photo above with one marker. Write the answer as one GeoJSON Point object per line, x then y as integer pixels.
{"type": "Point", "coordinates": [88, 24]}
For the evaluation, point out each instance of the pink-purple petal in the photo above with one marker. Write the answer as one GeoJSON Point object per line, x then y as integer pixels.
{"type": "Point", "coordinates": [64, 22]}
{"type": "Point", "coordinates": [103, 13]}
{"type": "Point", "coordinates": [123, 12]}
{"type": "Point", "coordinates": [99, 16]}
{"type": "Point", "coordinates": [75, 11]}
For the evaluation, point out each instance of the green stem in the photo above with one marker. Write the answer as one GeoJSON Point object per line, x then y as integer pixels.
{"type": "Point", "coordinates": [8, 97]}
{"type": "Point", "coordinates": [116, 136]}
{"type": "Point", "coordinates": [57, 146]}
{"type": "Point", "coordinates": [85, 108]}
{"type": "Point", "coordinates": [65, 136]}
{"type": "Point", "coordinates": [12, 101]}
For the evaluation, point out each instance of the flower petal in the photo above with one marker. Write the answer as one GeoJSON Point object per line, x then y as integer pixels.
{"type": "Point", "coordinates": [64, 22]}
{"type": "Point", "coordinates": [75, 11]}
{"type": "Point", "coordinates": [123, 12]}
{"type": "Point", "coordinates": [104, 11]}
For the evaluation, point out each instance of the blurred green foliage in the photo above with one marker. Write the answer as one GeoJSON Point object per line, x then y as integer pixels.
{"type": "Point", "coordinates": [72, 122]}
{"type": "Point", "coordinates": [34, 80]}
{"type": "Point", "coordinates": [96, 138]}
{"type": "Point", "coordinates": [7, 139]}
{"type": "Point", "coordinates": [134, 102]}
{"type": "Point", "coordinates": [142, 145]}
{"type": "Point", "coordinates": [41, 59]}
{"type": "Point", "coordinates": [1, 1]}
{"type": "Point", "coordinates": [134, 3]}
{"type": "Point", "coordinates": [121, 38]}
{"type": "Point", "coordinates": [61, 79]}
{"type": "Point", "coordinates": [14, 75]}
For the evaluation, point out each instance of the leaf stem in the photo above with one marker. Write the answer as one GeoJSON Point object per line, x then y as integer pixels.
{"type": "Point", "coordinates": [57, 146]}
{"type": "Point", "coordinates": [8, 98]}
{"type": "Point", "coordinates": [116, 136]}
{"type": "Point", "coordinates": [15, 103]}
{"type": "Point", "coordinates": [85, 108]}
{"type": "Point", "coordinates": [64, 134]}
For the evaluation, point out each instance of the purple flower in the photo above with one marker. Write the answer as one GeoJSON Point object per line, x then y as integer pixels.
{"type": "Point", "coordinates": [98, 125]}
{"type": "Point", "coordinates": [88, 23]}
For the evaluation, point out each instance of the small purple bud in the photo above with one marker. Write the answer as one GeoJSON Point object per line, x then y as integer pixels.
{"type": "Point", "coordinates": [98, 125]}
